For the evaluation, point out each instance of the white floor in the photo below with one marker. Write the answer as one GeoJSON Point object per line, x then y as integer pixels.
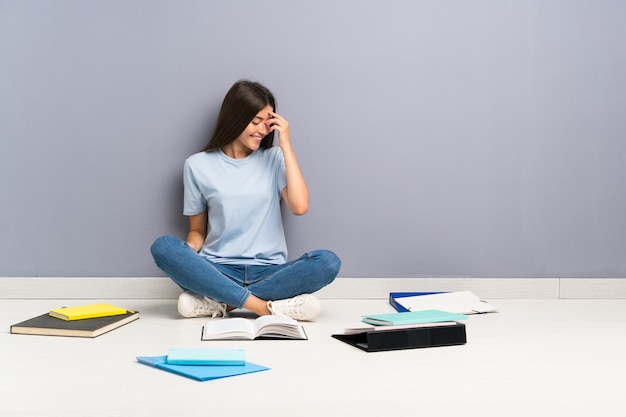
{"type": "Point", "coordinates": [533, 358]}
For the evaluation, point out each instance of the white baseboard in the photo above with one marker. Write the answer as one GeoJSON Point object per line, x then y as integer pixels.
{"type": "Point", "coordinates": [341, 288]}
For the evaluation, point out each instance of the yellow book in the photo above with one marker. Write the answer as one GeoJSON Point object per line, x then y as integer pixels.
{"type": "Point", "coordinates": [89, 311]}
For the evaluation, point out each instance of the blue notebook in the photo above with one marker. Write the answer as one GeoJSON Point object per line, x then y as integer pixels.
{"type": "Point", "coordinates": [412, 317]}
{"type": "Point", "coordinates": [200, 372]}
{"type": "Point", "coordinates": [395, 298]}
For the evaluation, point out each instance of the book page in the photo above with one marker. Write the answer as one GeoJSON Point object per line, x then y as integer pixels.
{"type": "Point", "coordinates": [233, 328]}
{"type": "Point", "coordinates": [272, 319]}
{"type": "Point", "coordinates": [278, 326]}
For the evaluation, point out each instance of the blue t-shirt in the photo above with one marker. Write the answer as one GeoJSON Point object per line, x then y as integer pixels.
{"type": "Point", "coordinates": [242, 197]}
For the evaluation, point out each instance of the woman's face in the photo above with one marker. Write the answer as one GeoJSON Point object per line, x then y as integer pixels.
{"type": "Point", "coordinates": [256, 130]}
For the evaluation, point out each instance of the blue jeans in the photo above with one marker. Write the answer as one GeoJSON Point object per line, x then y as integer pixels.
{"type": "Point", "coordinates": [233, 284]}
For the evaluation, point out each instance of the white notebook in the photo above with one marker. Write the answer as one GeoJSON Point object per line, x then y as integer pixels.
{"type": "Point", "coordinates": [462, 302]}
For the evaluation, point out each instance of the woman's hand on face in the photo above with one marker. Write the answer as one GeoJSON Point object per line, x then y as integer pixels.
{"type": "Point", "coordinates": [277, 123]}
{"type": "Point", "coordinates": [295, 194]}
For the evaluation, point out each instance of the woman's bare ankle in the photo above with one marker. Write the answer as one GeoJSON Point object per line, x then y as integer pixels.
{"type": "Point", "coordinates": [256, 305]}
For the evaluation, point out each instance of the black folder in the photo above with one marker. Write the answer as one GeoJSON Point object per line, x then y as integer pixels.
{"type": "Point", "coordinates": [421, 337]}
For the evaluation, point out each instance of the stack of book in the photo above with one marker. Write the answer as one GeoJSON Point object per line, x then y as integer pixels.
{"type": "Point", "coordinates": [406, 330]}
{"type": "Point", "coordinates": [90, 320]}
{"type": "Point", "coordinates": [203, 364]}
{"type": "Point", "coordinates": [423, 319]}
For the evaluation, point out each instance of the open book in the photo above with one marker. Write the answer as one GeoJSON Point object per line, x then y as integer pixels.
{"type": "Point", "coordinates": [265, 327]}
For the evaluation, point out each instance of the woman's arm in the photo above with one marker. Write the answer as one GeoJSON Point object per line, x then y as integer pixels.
{"type": "Point", "coordinates": [197, 230]}
{"type": "Point", "coordinates": [296, 193]}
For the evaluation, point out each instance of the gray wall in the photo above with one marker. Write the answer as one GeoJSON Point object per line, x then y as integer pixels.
{"type": "Point", "coordinates": [438, 138]}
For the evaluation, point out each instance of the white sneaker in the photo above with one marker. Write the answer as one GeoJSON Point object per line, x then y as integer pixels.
{"type": "Point", "coordinates": [302, 307]}
{"type": "Point", "coordinates": [195, 305]}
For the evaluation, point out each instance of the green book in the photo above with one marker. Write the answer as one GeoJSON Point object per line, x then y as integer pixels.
{"type": "Point", "coordinates": [412, 317]}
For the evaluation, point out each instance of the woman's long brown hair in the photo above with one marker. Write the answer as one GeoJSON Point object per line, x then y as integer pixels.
{"type": "Point", "coordinates": [241, 104]}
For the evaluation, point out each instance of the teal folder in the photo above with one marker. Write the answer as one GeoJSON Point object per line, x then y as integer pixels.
{"type": "Point", "coordinates": [200, 372]}
{"type": "Point", "coordinates": [183, 356]}
{"type": "Point", "coordinates": [412, 317]}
